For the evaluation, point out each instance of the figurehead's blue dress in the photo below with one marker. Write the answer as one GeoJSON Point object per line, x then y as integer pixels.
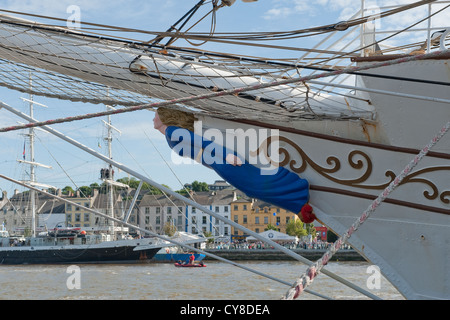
{"type": "Point", "coordinates": [283, 188]}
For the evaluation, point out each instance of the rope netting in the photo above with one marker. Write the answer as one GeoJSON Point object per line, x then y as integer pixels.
{"type": "Point", "coordinates": [73, 66]}
{"type": "Point", "coordinates": [90, 66]}
{"type": "Point", "coordinates": [225, 93]}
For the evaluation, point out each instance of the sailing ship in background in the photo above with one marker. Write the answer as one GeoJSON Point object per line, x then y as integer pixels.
{"type": "Point", "coordinates": [69, 244]}
{"type": "Point", "coordinates": [349, 139]}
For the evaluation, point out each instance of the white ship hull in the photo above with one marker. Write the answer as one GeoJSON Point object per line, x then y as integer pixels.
{"type": "Point", "coordinates": [408, 235]}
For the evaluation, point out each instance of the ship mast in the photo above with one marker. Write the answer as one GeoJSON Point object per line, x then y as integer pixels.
{"type": "Point", "coordinates": [109, 177]}
{"type": "Point", "coordinates": [31, 162]}
{"type": "Point", "coordinates": [32, 169]}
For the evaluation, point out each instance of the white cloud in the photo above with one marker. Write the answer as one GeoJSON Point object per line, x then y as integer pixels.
{"type": "Point", "coordinates": [284, 9]}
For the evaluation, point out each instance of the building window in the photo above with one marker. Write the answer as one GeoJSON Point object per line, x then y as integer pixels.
{"type": "Point", "coordinates": [158, 210]}
{"type": "Point", "coordinates": [256, 220]}
{"type": "Point", "coordinates": [266, 220]}
{"type": "Point", "coordinates": [236, 207]}
{"type": "Point", "coordinates": [147, 210]}
{"type": "Point", "coordinates": [245, 219]}
{"type": "Point", "coordinates": [217, 209]}
{"type": "Point", "coordinates": [169, 209]}
{"type": "Point", "coordinates": [236, 218]}
{"type": "Point", "coordinates": [147, 219]}
{"type": "Point", "coordinates": [225, 209]}
{"type": "Point", "coordinates": [86, 217]}
{"type": "Point", "coordinates": [193, 209]}
{"type": "Point", "coordinates": [244, 207]}
{"type": "Point", "coordinates": [204, 220]}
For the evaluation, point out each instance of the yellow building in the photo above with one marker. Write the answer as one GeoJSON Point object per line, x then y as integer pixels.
{"type": "Point", "coordinates": [256, 215]}
{"type": "Point", "coordinates": [76, 216]}
{"type": "Point", "coordinates": [81, 218]}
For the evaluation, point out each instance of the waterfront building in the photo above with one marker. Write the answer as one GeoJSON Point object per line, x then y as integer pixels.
{"type": "Point", "coordinates": [157, 210]}
{"type": "Point", "coordinates": [221, 204]}
{"type": "Point", "coordinates": [218, 185]}
{"type": "Point", "coordinates": [256, 215]}
{"type": "Point", "coordinates": [16, 213]}
{"type": "Point", "coordinates": [77, 216]}
{"type": "Point", "coordinates": [108, 204]}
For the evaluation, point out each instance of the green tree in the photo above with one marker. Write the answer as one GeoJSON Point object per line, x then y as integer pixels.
{"type": "Point", "coordinates": [94, 185]}
{"type": "Point", "coordinates": [208, 234]}
{"type": "Point", "coordinates": [134, 184]}
{"type": "Point", "coordinates": [85, 191]}
{"type": "Point", "coordinates": [199, 186]}
{"type": "Point", "coordinates": [67, 190]}
{"type": "Point", "coordinates": [271, 227]}
{"type": "Point", "coordinates": [169, 229]}
{"type": "Point", "coordinates": [183, 192]}
{"type": "Point", "coordinates": [295, 228]}
{"type": "Point", "coordinates": [311, 230]}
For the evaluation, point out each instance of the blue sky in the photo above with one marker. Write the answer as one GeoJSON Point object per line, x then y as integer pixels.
{"type": "Point", "coordinates": [134, 147]}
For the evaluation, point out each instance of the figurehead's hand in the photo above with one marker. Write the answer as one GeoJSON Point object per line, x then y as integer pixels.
{"type": "Point", "coordinates": [233, 160]}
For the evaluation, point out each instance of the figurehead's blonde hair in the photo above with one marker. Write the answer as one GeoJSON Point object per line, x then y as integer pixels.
{"type": "Point", "coordinates": [171, 117]}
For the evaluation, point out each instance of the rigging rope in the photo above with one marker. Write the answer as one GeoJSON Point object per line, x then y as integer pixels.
{"type": "Point", "coordinates": [386, 38]}
{"type": "Point", "coordinates": [435, 54]}
{"type": "Point", "coordinates": [248, 36]}
{"type": "Point", "coordinates": [311, 273]}
{"type": "Point", "coordinates": [153, 234]}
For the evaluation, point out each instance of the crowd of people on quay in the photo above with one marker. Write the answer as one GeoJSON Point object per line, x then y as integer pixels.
{"type": "Point", "coordinates": [259, 245]}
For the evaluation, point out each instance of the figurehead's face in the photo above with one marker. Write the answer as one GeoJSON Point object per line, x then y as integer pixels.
{"type": "Point", "coordinates": [157, 123]}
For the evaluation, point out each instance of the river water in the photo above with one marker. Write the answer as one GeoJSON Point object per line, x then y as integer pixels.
{"type": "Point", "coordinates": [218, 281]}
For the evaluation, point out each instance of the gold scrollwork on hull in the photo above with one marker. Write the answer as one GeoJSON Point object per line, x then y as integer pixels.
{"type": "Point", "coordinates": [365, 165]}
